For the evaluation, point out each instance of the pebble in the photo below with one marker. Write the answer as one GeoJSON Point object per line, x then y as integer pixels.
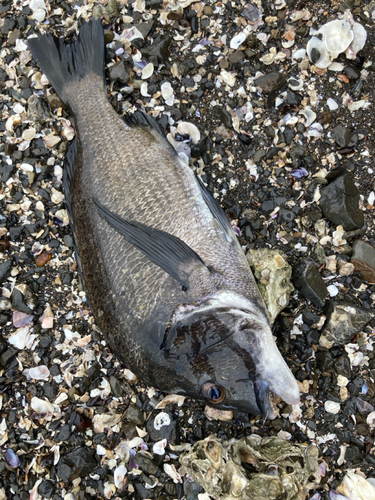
{"type": "Point", "coordinates": [344, 320]}
{"type": "Point", "coordinates": [77, 463]}
{"type": "Point", "coordinates": [340, 203]}
{"type": "Point", "coordinates": [271, 82]}
{"type": "Point", "coordinates": [363, 258]}
{"type": "Point", "coordinates": [309, 282]}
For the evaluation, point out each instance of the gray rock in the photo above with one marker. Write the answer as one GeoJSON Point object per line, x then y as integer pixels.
{"type": "Point", "coordinates": [77, 463]}
{"type": "Point", "coordinates": [5, 269]}
{"type": "Point", "coordinates": [164, 428]}
{"type": "Point", "coordinates": [344, 137]}
{"type": "Point", "coordinates": [270, 82]}
{"type": "Point", "coordinates": [363, 259]}
{"type": "Point", "coordinates": [135, 415]}
{"type": "Point", "coordinates": [119, 72]}
{"type": "Point", "coordinates": [344, 320]}
{"type": "Point", "coordinates": [309, 282]}
{"type": "Point", "coordinates": [340, 203]}
{"type": "Point", "coordinates": [37, 109]}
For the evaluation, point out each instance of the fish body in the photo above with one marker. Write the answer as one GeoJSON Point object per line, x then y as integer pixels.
{"type": "Point", "coordinates": [166, 278]}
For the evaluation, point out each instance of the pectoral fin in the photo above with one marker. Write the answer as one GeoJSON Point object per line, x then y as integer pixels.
{"type": "Point", "coordinates": [163, 249]}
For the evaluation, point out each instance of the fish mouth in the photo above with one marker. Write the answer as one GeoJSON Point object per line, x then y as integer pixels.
{"type": "Point", "coordinates": [265, 399]}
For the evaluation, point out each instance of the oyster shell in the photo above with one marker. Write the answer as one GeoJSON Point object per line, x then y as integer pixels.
{"type": "Point", "coordinates": [282, 469]}
{"type": "Point", "coordinates": [338, 36]}
{"type": "Point", "coordinates": [273, 274]}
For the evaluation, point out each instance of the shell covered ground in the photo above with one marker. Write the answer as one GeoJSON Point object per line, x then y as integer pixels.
{"type": "Point", "coordinates": [284, 145]}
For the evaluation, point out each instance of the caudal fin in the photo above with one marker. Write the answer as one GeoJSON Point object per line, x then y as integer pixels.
{"type": "Point", "coordinates": [64, 63]}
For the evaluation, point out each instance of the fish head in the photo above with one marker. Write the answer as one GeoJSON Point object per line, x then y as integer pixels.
{"type": "Point", "coordinates": [228, 358]}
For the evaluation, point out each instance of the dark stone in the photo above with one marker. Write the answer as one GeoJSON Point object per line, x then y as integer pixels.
{"type": "Point", "coordinates": [352, 72]}
{"type": "Point", "coordinates": [225, 118]}
{"type": "Point", "coordinates": [46, 489]}
{"type": "Point", "coordinates": [64, 434]}
{"type": "Point", "coordinates": [270, 82]}
{"type": "Point", "coordinates": [135, 415]}
{"type": "Point", "coordinates": [158, 50]}
{"type": "Point", "coordinates": [324, 360]}
{"type": "Point", "coordinates": [142, 492]}
{"type": "Point", "coordinates": [340, 203]}
{"type": "Point", "coordinates": [344, 320]}
{"type": "Point", "coordinates": [363, 258]}
{"type": "Point", "coordinates": [115, 386]}
{"type": "Point", "coordinates": [285, 216]}
{"type": "Point", "coordinates": [7, 357]}
{"type": "Point", "coordinates": [5, 269]}
{"type": "Point", "coordinates": [267, 206]}
{"type": "Point", "coordinates": [236, 56]}
{"type": "Point", "coordinates": [343, 366]}
{"type": "Point", "coordinates": [198, 149]}
{"type": "Point", "coordinates": [118, 72]}
{"type": "Point", "coordinates": [166, 431]}
{"type": "Point", "coordinates": [77, 463]}
{"type": "Point", "coordinates": [18, 302]}
{"type": "Point", "coordinates": [145, 463]}
{"type": "Point", "coordinates": [344, 137]}
{"type": "Point", "coordinates": [309, 282]}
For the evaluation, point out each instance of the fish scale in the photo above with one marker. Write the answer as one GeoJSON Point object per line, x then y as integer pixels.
{"type": "Point", "coordinates": [166, 278]}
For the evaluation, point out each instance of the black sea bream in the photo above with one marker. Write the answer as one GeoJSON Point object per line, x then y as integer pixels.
{"type": "Point", "coordinates": [166, 278]}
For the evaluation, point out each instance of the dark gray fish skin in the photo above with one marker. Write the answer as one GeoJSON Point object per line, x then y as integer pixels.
{"type": "Point", "coordinates": [181, 311]}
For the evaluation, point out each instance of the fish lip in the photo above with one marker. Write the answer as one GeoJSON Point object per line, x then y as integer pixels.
{"type": "Point", "coordinates": [264, 399]}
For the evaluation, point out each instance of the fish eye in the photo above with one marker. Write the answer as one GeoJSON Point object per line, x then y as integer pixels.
{"type": "Point", "coordinates": [214, 393]}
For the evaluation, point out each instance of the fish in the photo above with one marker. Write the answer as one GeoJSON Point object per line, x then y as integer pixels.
{"type": "Point", "coordinates": [165, 276]}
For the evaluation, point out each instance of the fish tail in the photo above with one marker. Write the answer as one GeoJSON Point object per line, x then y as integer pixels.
{"type": "Point", "coordinates": [68, 63]}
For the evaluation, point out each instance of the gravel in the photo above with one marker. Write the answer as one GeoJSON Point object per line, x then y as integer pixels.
{"type": "Point", "coordinates": [286, 148]}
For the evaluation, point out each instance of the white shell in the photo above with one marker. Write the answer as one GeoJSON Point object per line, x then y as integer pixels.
{"type": "Point", "coordinates": [187, 128]}
{"type": "Point", "coordinates": [295, 86]}
{"type": "Point", "coordinates": [119, 476]}
{"type": "Point", "coordinates": [337, 36]}
{"type": "Point", "coordinates": [227, 78]}
{"type": "Point", "coordinates": [309, 114]}
{"type": "Point", "coordinates": [159, 447]}
{"type": "Point", "coordinates": [316, 130]}
{"type": "Point", "coordinates": [148, 71]}
{"type": "Point", "coordinates": [39, 372]}
{"type": "Point", "coordinates": [356, 487]}
{"type": "Point", "coordinates": [313, 45]}
{"type": "Point", "coordinates": [360, 36]}
{"type": "Point", "coordinates": [167, 93]}
{"type": "Point", "coordinates": [172, 473]}
{"type": "Point", "coordinates": [332, 407]}
{"type": "Point", "coordinates": [161, 420]}
{"type": "Point", "coordinates": [237, 40]}
{"type": "Point", "coordinates": [370, 420]}
{"type": "Point", "coordinates": [42, 407]}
